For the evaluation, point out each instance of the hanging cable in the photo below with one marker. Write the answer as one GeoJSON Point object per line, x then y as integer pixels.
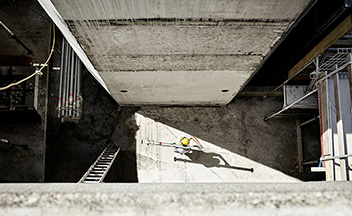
{"type": "Point", "coordinates": [39, 72]}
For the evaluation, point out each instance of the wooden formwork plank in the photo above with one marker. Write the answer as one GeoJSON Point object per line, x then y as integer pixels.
{"type": "Point", "coordinates": [334, 35]}
{"type": "Point", "coordinates": [325, 130]}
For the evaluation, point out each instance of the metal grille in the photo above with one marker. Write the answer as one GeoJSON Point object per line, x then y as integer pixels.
{"type": "Point", "coordinates": [338, 59]}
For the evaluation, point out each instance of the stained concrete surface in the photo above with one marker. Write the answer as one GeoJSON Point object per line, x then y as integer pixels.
{"type": "Point", "coordinates": [154, 33]}
{"type": "Point", "coordinates": [177, 199]}
{"type": "Point", "coordinates": [238, 130]}
{"type": "Point", "coordinates": [197, 9]}
{"type": "Point", "coordinates": [31, 25]}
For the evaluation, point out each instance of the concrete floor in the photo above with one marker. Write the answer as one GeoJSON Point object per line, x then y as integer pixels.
{"type": "Point", "coordinates": [177, 199]}
{"type": "Point", "coordinates": [237, 130]}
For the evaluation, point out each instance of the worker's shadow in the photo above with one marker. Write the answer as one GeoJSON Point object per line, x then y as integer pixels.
{"type": "Point", "coordinates": [210, 160]}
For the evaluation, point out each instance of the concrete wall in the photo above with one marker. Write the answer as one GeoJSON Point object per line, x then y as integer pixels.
{"type": "Point", "coordinates": [31, 25]}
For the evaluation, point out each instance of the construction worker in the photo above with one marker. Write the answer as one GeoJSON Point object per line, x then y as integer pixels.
{"type": "Point", "coordinates": [185, 141]}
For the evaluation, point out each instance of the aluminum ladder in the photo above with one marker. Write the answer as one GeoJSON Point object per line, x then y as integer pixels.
{"type": "Point", "coordinates": [97, 172]}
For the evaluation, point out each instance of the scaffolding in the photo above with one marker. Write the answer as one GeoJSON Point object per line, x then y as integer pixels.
{"type": "Point", "coordinates": [332, 80]}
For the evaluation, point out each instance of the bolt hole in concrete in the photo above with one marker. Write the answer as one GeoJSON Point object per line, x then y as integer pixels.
{"type": "Point", "coordinates": [225, 90]}
{"type": "Point", "coordinates": [123, 91]}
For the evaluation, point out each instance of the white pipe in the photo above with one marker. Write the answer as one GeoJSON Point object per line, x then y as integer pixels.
{"type": "Point", "coordinates": [70, 99]}
{"type": "Point", "coordinates": [75, 87]}
{"type": "Point", "coordinates": [63, 106]}
{"type": "Point", "coordinates": [63, 53]}
{"type": "Point", "coordinates": [79, 101]}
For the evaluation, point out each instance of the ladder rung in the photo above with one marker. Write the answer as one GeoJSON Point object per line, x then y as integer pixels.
{"type": "Point", "coordinates": [99, 168]}
{"type": "Point", "coordinates": [96, 174]}
{"type": "Point", "coordinates": [96, 171]}
{"type": "Point", "coordinates": [92, 178]}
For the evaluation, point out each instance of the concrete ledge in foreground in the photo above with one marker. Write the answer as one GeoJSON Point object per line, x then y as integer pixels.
{"type": "Point", "coordinates": [315, 198]}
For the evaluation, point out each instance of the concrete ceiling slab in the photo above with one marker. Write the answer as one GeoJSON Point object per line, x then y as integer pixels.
{"type": "Point", "coordinates": [180, 9]}
{"type": "Point", "coordinates": [154, 47]}
{"type": "Point", "coordinates": [177, 45]}
{"type": "Point", "coordinates": [174, 87]}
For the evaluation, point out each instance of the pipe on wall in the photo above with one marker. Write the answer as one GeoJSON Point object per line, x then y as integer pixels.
{"type": "Point", "coordinates": [69, 86]}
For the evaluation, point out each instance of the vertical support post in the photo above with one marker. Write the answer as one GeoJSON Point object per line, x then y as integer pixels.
{"type": "Point", "coordinates": [349, 58]}
{"type": "Point", "coordinates": [299, 146]}
{"type": "Point", "coordinates": [340, 130]}
{"type": "Point", "coordinates": [349, 145]}
{"type": "Point", "coordinates": [325, 130]}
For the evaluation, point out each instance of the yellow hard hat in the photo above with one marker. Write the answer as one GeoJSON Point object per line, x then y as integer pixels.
{"type": "Point", "coordinates": [184, 141]}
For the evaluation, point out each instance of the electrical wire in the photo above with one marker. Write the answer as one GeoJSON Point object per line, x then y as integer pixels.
{"type": "Point", "coordinates": [39, 72]}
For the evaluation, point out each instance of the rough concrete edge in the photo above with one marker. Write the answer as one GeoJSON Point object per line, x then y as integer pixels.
{"type": "Point", "coordinates": [60, 23]}
{"type": "Point", "coordinates": [169, 197]}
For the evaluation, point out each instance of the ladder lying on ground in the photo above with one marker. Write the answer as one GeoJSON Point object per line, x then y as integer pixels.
{"type": "Point", "coordinates": [97, 172]}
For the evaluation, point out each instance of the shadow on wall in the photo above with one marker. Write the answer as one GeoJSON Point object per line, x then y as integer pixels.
{"type": "Point", "coordinates": [238, 128]}
{"type": "Point", "coordinates": [124, 169]}
{"type": "Point", "coordinates": [210, 160]}
{"type": "Point", "coordinates": [73, 147]}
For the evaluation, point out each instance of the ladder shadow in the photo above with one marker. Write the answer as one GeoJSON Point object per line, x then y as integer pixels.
{"type": "Point", "coordinates": [210, 160]}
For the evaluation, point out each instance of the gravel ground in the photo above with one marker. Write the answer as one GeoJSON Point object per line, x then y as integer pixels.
{"type": "Point", "coordinates": [176, 199]}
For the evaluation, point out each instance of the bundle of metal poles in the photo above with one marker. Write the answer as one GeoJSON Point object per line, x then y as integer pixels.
{"type": "Point", "coordinates": [69, 89]}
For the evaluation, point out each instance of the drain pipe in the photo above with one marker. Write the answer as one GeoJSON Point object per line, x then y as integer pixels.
{"type": "Point", "coordinates": [71, 83]}
{"type": "Point", "coordinates": [79, 88]}
{"type": "Point", "coordinates": [75, 88]}
{"type": "Point", "coordinates": [69, 89]}
{"type": "Point", "coordinates": [68, 81]}
{"type": "Point", "coordinates": [63, 54]}
{"type": "Point", "coordinates": [63, 107]}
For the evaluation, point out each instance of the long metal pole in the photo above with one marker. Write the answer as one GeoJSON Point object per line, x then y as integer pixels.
{"type": "Point", "coordinates": [75, 87]}
{"type": "Point", "coordinates": [79, 72]}
{"type": "Point", "coordinates": [288, 80]}
{"type": "Point", "coordinates": [336, 157]}
{"type": "Point", "coordinates": [309, 121]}
{"type": "Point", "coordinates": [68, 80]}
{"type": "Point", "coordinates": [71, 82]}
{"type": "Point", "coordinates": [63, 53]}
{"type": "Point", "coordinates": [288, 107]}
{"type": "Point", "coordinates": [63, 106]}
{"type": "Point", "coordinates": [13, 36]}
